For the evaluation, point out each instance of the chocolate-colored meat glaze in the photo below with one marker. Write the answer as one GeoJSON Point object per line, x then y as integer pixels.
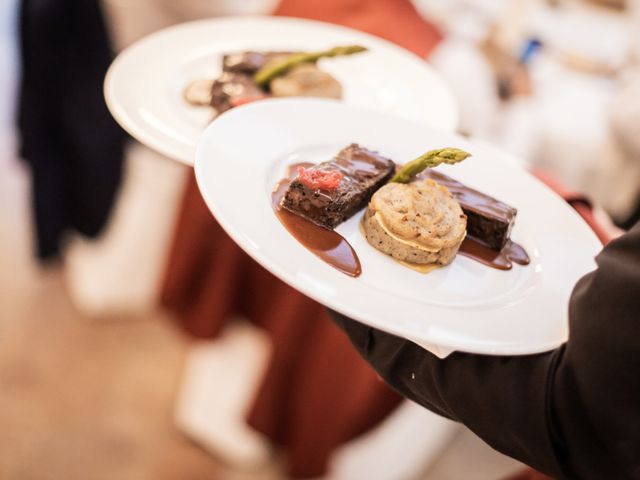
{"type": "Point", "coordinates": [248, 62]}
{"type": "Point", "coordinates": [236, 80]}
{"type": "Point", "coordinates": [363, 173]}
{"type": "Point", "coordinates": [230, 86]}
{"type": "Point", "coordinates": [488, 220]}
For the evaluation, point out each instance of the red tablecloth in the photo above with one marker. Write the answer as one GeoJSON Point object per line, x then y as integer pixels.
{"type": "Point", "coordinates": [317, 392]}
{"type": "Point", "coordinates": [394, 20]}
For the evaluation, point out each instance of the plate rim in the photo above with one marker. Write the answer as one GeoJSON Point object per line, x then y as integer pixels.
{"type": "Point", "coordinates": [480, 347]}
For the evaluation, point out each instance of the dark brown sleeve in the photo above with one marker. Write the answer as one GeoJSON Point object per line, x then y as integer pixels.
{"type": "Point", "coordinates": [571, 413]}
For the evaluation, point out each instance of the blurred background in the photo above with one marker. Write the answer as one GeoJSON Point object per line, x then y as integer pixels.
{"type": "Point", "coordinates": [111, 365]}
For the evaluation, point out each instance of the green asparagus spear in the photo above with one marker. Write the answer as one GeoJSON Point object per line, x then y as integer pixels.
{"type": "Point", "coordinates": [270, 71]}
{"type": "Point", "coordinates": [430, 159]}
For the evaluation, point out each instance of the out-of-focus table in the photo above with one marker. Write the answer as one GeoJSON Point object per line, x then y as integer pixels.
{"type": "Point", "coordinates": [566, 124]}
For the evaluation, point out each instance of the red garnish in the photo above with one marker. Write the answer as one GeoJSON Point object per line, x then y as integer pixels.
{"type": "Point", "coordinates": [237, 101]}
{"type": "Point", "coordinates": [319, 179]}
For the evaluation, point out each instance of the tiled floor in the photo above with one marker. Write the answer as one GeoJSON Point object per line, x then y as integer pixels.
{"type": "Point", "coordinates": [89, 400]}
{"type": "Point", "coordinates": [80, 398]}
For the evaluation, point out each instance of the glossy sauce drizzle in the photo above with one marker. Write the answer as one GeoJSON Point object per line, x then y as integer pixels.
{"type": "Point", "coordinates": [326, 244]}
{"type": "Point", "coordinates": [502, 260]}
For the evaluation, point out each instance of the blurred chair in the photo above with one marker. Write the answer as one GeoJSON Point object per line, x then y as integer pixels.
{"type": "Point", "coordinates": [400, 447]}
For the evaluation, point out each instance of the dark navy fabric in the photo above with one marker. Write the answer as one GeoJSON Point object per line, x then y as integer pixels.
{"type": "Point", "coordinates": [71, 142]}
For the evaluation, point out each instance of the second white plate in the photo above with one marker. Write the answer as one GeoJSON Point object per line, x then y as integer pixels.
{"type": "Point", "coordinates": [144, 85]}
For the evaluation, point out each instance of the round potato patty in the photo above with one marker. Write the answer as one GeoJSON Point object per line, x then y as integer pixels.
{"type": "Point", "coordinates": [417, 222]}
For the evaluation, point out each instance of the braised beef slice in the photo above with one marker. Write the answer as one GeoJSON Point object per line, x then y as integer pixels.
{"type": "Point", "coordinates": [236, 80]}
{"type": "Point", "coordinates": [488, 220]}
{"type": "Point", "coordinates": [248, 62]}
{"type": "Point", "coordinates": [230, 86]}
{"type": "Point", "coordinates": [363, 172]}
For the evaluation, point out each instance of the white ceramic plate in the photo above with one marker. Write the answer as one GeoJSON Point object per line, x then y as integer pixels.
{"type": "Point", "coordinates": [145, 83]}
{"type": "Point", "coordinates": [465, 306]}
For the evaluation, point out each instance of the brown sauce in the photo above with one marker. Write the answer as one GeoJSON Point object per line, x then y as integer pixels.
{"type": "Point", "coordinates": [328, 245]}
{"type": "Point", "coordinates": [502, 260]}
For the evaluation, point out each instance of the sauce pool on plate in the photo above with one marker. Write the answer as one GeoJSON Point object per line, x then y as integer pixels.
{"type": "Point", "coordinates": [328, 245]}
{"type": "Point", "coordinates": [502, 259]}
